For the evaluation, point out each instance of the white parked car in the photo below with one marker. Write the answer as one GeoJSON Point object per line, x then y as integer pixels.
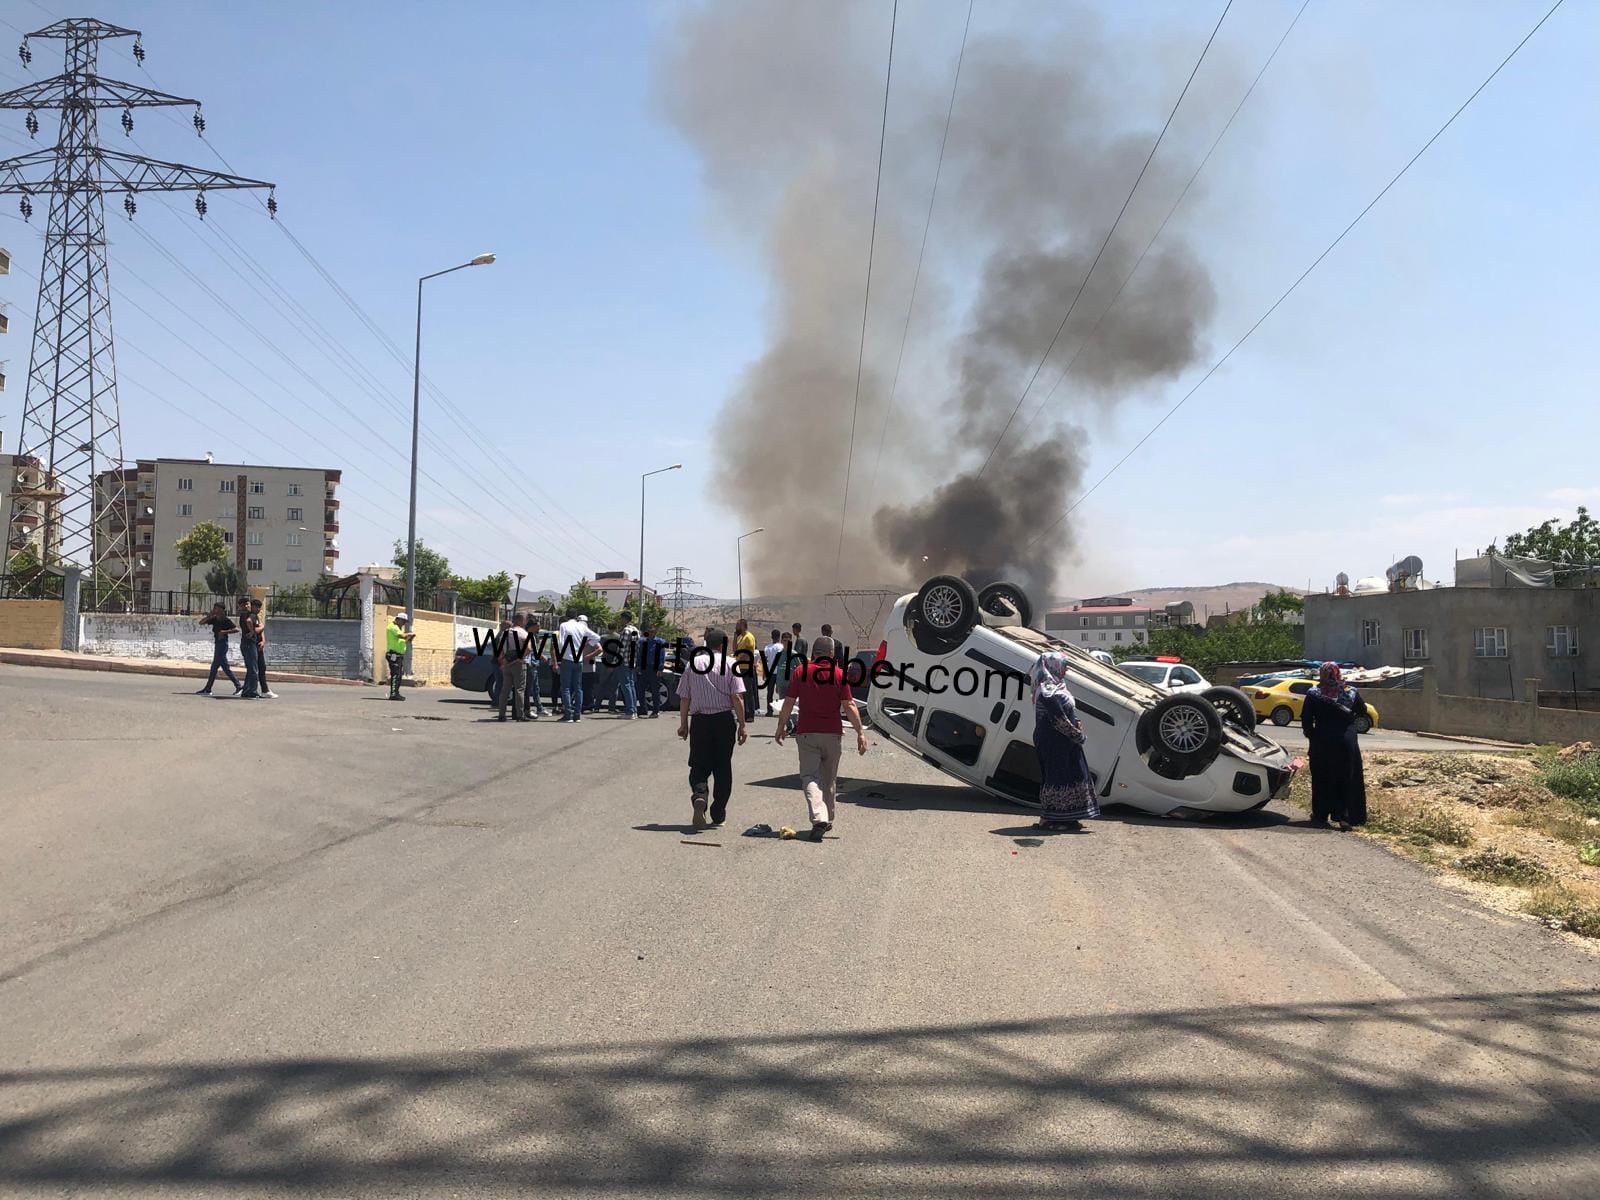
{"type": "Point", "coordinates": [951, 686]}
{"type": "Point", "coordinates": [1168, 674]}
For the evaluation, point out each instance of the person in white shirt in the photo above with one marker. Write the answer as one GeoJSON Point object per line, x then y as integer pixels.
{"type": "Point", "coordinates": [770, 652]}
{"type": "Point", "coordinates": [576, 644]}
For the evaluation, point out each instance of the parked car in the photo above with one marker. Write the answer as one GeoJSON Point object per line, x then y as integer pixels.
{"type": "Point", "coordinates": [1154, 750]}
{"type": "Point", "coordinates": [1169, 673]}
{"type": "Point", "coordinates": [473, 669]}
{"type": "Point", "coordinates": [1281, 702]}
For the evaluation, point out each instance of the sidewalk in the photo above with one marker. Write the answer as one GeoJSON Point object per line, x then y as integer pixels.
{"type": "Point", "coordinates": [147, 666]}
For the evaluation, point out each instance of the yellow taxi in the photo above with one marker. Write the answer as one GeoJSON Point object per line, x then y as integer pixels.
{"type": "Point", "coordinates": [1280, 702]}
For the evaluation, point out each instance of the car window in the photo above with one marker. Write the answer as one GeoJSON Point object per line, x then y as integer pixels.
{"type": "Point", "coordinates": [902, 712]}
{"type": "Point", "coordinates": [1149, 672]}
{"type": "Point", "coordinates": [1300, 689]}
{"type": "Point", "coordinates": [1185, 675]}
{"type": "Point", "coordinates": [959, 737]}
{"type": "Point", "coordinates": [1018, 771]}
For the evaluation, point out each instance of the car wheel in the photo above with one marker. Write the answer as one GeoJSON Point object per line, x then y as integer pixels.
{"type": "Point", "coordinates": [945, 610]}
{"type": "Point", "coordinates": [1363, 724]}
{"type": "Point", "coordinates": [1006, 600]}
{"type": "Point", "coordinates": [1282, 715]}
{"type": "Point", "coordinates": [1232, 705]}
{"type": "Point", "coordinates": [1179, 736]}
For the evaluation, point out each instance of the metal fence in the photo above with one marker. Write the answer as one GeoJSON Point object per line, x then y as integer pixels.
{"type": "Point", "coordinates": [436, 601]}
{"type": "Point", "coordinates": [338, 606]}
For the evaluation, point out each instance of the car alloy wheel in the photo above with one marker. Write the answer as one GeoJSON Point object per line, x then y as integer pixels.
{"type": "Point", "coordinates": [942, 607]}
{"type": "Point", "coordinates": [1282, 715]}
{"type": "Point", "coordinates": [1183, 729]}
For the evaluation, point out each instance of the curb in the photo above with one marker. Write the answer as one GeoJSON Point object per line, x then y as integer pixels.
{"type": "Point", "coordinates": [22, 658]}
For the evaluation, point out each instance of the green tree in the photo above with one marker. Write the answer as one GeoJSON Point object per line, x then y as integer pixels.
{"type": "Point", "coordinates": [203, 544]}
{"type": "Point", "coordinates": [581, 597]}
{"type": "Point", "coordinates": [225, 579]}
{"type": "Point", "coordinates": [491, 589]}
{"type": "Point", "coordinates": [1274, 606]}
{"type": "Point", "coordinates": [432, 568]}
{"type": "Point", "coordinates": [1205, 649]}
{"type": "Point", "coordinates": [1575, 543]}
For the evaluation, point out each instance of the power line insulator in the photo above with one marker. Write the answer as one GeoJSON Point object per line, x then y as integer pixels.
{"type": "Point", "coordinates": [127, 122]}
{"type": "Point", "coordinates": [272, 204]}
{"type": "Point", "coordinates": [26, 206]}
{"type": "Point", "coordinates": [199, 122]}
{"type": "Point", "coordinates": [129, 206]}
{"type": "Point", "coordinates": [24, 53]}
{"type": "Point", "coordinates": [31, 123]}
{"type": "Point", "coordinates": [138, 51]}
{"type": "Point", "coordinates": [200, 204]}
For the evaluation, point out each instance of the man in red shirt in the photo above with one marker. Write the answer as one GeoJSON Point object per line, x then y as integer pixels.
{"type": "Point", "coordinates": [820, 689]}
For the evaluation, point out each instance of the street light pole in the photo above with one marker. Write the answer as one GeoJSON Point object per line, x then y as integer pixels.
{"type": "Point", "coordinates": [739, 558]}
{"type": "Point", "coordinates": [481, 260]}
{"type": "Point", "coordinates": [639, 616]}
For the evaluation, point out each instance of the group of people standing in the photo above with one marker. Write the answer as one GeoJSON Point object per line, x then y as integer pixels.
{"type": "Point", "coordinates": [252, 630]}
{"type": "Point", "coordinates": [629, 676]}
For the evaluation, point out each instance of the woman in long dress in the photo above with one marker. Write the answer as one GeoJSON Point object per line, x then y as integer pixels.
{"type": "Point", "coordinates": [1066, 789]}
{"type": "Point", "coordinates": [1338, 783]}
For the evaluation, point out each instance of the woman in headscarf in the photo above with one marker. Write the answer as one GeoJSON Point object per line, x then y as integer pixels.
{"type": "Point", "coordinates": [1066, 789]}
{"type": "Point", "coordinates": [1338, 784]}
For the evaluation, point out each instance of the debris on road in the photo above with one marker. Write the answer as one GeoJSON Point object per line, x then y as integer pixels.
{"type": "Point", "coordinates": [695, 842]}
{"type": "Point", "coordinates": [762, 830]}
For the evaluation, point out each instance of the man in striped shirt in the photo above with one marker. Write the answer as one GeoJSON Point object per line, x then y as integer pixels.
{"type": "Point", "coordinates": [711, 720]}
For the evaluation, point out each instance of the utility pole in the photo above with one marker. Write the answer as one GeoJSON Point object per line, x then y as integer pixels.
{"type": "Point", "coordinates": [680, 583]}
{"type": "Point", "coordinates": [71, 420]}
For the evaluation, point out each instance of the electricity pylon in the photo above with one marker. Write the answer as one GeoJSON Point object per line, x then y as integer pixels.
{"type": "Point", "coordinates": [71, 420]}
{"type": "Point", "coordinates": [679, 583]}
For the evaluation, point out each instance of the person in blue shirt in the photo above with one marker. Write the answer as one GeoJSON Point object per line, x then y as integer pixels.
{"type": "Point", "coordinates": [652, 654]}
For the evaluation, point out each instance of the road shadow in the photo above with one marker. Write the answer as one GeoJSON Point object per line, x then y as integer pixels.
{"type": "Point", "coordinates": [1035, 831]}
{"type": "Point", "coordinates": [657, 827]}
{"type": "Point", "coordinates": [1465, 1095]}
{"type": "Point", "coordinates": [944, 797]}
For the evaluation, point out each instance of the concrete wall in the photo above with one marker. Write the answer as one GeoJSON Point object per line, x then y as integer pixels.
{"type": "Point", "coordinates": [297, 645]}
{"type": "Point", "coordinates": [1450, 615]}
{"type": "Point", "coordinates": [1428, 710]}
{"type": "Point", "coordinates": [30, 624]}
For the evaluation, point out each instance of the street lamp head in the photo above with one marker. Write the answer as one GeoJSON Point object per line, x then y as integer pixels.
{"type": "Point", "coordinates": [675, 467]}
{"type": "Point", "coordinates": [483, 260]}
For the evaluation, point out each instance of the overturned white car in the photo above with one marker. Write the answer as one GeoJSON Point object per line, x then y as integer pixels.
{"type": "Point", "coordinates": [950, 684]}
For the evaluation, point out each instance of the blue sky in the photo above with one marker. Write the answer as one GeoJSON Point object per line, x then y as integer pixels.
{"type": "Point", "coordinates": [1425, 390]}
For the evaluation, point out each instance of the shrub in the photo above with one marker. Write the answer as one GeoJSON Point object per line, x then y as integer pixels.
{"type": "Point", "coordinates": [1589, 854]}
{"type": "Point", "coordinates": [1501, 866]}
{"type": "Point", "coordinates": [1567, 906]}
{"type": "Point", "coordinates": [1419, 824]}
{"type": "Point", "coordinates": [1575, 779]}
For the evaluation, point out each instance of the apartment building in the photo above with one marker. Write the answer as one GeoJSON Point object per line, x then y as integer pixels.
{"type": "Point", "coordinates": [1102, 623]}
{"type": "Point", "coordinates": [27, 499]}
{"type": "Point", "coordinates": [617, 590]}
{"type": "Point", "coordinates": [281, 523]}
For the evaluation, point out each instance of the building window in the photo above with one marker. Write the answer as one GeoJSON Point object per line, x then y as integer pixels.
{"type": "Point", "coordinates": [292, 564]}
{"type": "Point", "coordinates": [294, 539]}
{"type": "Point", "coordinates": [1370, 631]}
{"type": "Point", "coordinates": [258, 488]}
{"type": "Point", "coordinates": [227, 512]}
{"type": "Point", "coordinates": [1118, 637]}
{"type": "Point", "coordinates": [253, 538]}
{"type": "Point", "coordinates": [1489, 642]}
{"type": "Point", "coordinates": [1416, 643]}
{"type": "Point", "coordinates": [146, 537]}
{"type": "Point", "coordinates": [186, 485]}
{"type": "Point", "coordinates": [256, 513]}
{"type": "Point", "coordinates": [225, 486]}
{"type": "Point", "coordinates": [252, 564]}
{"type": "Point", "coordinates": [1561, 641]}
{"type": "Point", "coordinates": [186, 510]}
{"type": "Point", "coordinates": [294, 489]}
{"type": "Point", "coordinates": [1084, 621]}
{"type": "Point", "coordinates": [227, 536]}
{"type": "Point", "coordinates": [1102, 637]}
{"type": "Point", "coordinates": [297, 514]}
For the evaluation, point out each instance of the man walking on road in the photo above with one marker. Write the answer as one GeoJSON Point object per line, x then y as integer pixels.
{"type": "Point", "coordinates": [513, 660]}
{"type": "Point", "coordinates": [799, 645]}
{"type": "Point", "coordinates": [711, 720]}
{"type": "Point", "coordinates": [536, 656]}
{"type": "Point", "coordinates": [576, 644]}
{"type": "Point", "coordinates": [397, 637]}
{"type": "Point", "coordinates": [221, 626]}
{"type": "Point", "coordinates": [769, 664]}
{"type": "Point", "coordinates": [249, 641]}
{"type": "Point", "coordinates": [260, 612]}
{"type": "Point", "coordinates": [746, 660]}
{"type": "Point", "coordinates": [820, 689]}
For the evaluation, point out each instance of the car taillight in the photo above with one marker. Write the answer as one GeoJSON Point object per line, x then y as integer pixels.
{"type": "Point", "coordinates": [465, 656]}
{"type": "Point", "coordinates": [883, 653]}
{"type": "Point", "coordinates": [1263, 695]}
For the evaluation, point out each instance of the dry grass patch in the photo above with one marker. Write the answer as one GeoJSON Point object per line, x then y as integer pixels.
{"type": "Point", "coordinates": [1573, 906]}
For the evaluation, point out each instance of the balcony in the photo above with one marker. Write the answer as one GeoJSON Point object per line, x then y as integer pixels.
{"type": "Point", "coordinates": [331, 501]}
{"type": "Point", "coordinates": [330, 527]}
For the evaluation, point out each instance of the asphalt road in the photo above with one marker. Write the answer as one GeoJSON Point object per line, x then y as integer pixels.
{"type": "Point", "coordinates": [333, 946]}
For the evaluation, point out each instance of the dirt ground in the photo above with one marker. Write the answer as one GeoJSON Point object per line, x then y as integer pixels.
{"type": "Point", "coordinates": [1491, 825]}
